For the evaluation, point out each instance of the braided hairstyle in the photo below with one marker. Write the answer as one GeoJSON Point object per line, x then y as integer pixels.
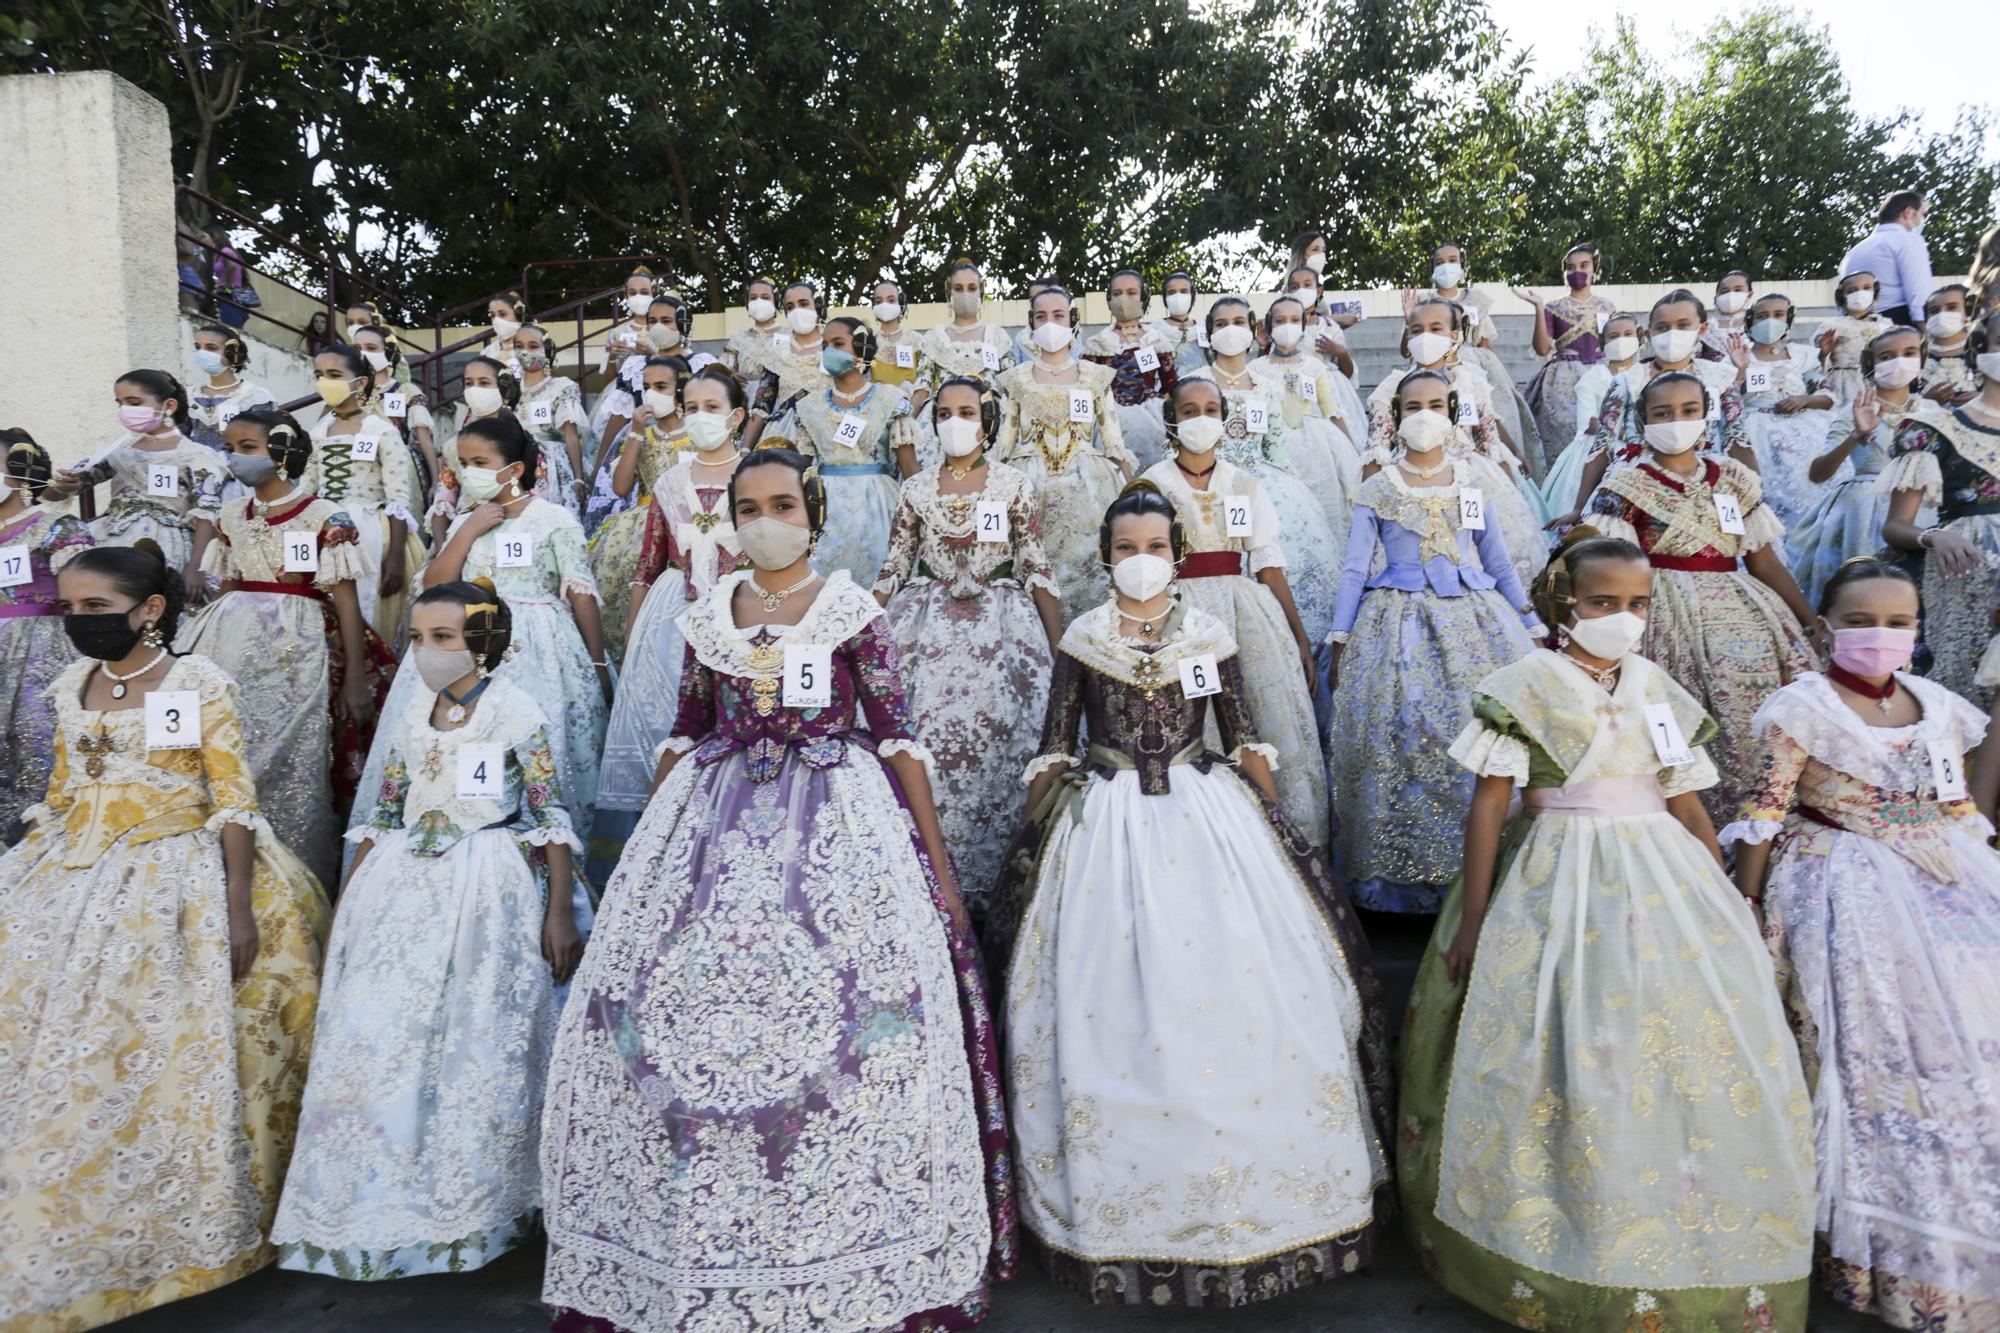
{"type": "Point", "coordinates": [489, 625]}
{"type": "Point", "coordinates": [26, 462]}
{"type": "Point", "coordinates": [1555, 590]}
{"type": "Point", "coordinates": [290, 444]}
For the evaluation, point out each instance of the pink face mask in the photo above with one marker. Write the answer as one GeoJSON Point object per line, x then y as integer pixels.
{"type": "Point", "coordinates": [1873, 651]}
{"type": "Point", "coordinates": [139, 420]}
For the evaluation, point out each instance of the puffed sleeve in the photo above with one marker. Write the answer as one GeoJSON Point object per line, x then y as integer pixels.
{"type": "Point", "coordinates": [541, 794]}
{"type": "Point", "coordinates": [402, 496]}
{"type": "Point", "coordinates": [902, 432]}
{"type": "Point", "coordinates": [206, 479]}
{"type": "Point", "coordinates": [569, 408]}
{"type": "Point", "coordinates": [387, 814]}
{"type": "Point", "coordinates": [232, 790]}
{"type": "Point", "coordinates": [901, 556]}
{"type": "Point", "coordinates": [1612, 516]}
{"type": "Point", "coordinates": [1263, 545]}
{"type": "Point", "coordinates": [1610, 416]}
{"type": "Point", "coordinates": [1493, 744]}
{"type": "Point", "coordinates": [656, 547]}
{"type": "Point", "coordinates": [1063, 722]}
{"type": "Point", "coordinates": [1780, 761]}
{"type": "Point", "coordinates": [218, 560]}
{"type": "Point", "coordinates": [573, 559]}
{"type": "Point", "coordinates": [1761, 525]}
{"type": "Point", "coordinates": [340, 559]}
{"type": "Point", "coordinates": [67, 536]}
{"type": "Point", "coordinates": [878, 685]}
{"type": "Point", "coordinates": [1915, 470]}
{"type": "Point", "coordinates": [1110, 435]}
{"type": "Point", "coordinates": [694, 718]}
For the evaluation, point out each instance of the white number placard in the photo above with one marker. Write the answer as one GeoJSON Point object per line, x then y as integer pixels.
{"type": "Point", "coordinates": [991, 524]}
{"type": "Point", "coordinates": [16, 566]}
{"type": "Point", "coordinates": [173, 720]}
{"type": "Point", "coordinates": [989, 356]}
{"type": "Point", "coordinates": [1145, 359]}
{"type": "Point", "coordinates": [1256, 416]}
{"type": "Point", "coordinates": [1309, 390]}
{"type": "Point", "coordinates": [1947, 770]}
{"type": "Point", "coordinates": [848, 430]}
{"type": "Point", "coordinates": [395, 405]}
{"type": "Point", "coordinates": [1728, 513]}
{"type": "Point", "coordinates": [1199, 676]}
{"type": "Point", "coordinates": [1665, 733]}
{"type": "Point", "coordinates": [364, 449]}
{"type": "Point", "coordinates": [1082, 409]}
{"type": "Point", "coordinates": [514, 550]}
{"type": "Point", "coordinates": [808, 675]}
{"type": "Point", "coordinates": [1758, 379]}
{"type": "Point", "coordinates": [1472, 508]}
{"type": "Point", "coordinates": [1236, 515]}
{"type": "Point", "coordinates": [482, 772]}
{"type": "Point", "coordinates": [1468, 412]}
{"type": "Point", "coordinates": [542, 412]}
{"type": "Point", "coordinates": [163, 481]}
{"type": "Point", "coordinates": [906, 357]}
{"type": "Point", "coordinates": [302, 553]}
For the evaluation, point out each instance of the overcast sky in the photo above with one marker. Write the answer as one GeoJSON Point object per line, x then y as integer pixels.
{"type": "Point", "coordinates": [1893, 57]}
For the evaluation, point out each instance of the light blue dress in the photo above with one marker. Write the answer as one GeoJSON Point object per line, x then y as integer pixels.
{"type": "Point", "coordinates": [858, 466]}
{"type": "Point", "coordinates": [1847, 520]}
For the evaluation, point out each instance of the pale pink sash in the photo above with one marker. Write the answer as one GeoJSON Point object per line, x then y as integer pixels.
{"type": "Point", "coordinates": [1638, 794]}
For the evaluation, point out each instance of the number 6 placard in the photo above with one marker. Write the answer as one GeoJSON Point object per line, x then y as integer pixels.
{"type": "Point", "coordinates": [1199, 676]}
{"type": "Point", "coordinates": [173, 720]}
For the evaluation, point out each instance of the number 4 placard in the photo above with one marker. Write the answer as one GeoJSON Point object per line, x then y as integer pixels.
{"type": "Point", "coordinates": [808, 675]}
{"type": "Point", "coordinates": [173, 720]}
{"type": "Point", "coordinates": [1199, 676]}
{"type": "Point", "coordinates": [482, 772]}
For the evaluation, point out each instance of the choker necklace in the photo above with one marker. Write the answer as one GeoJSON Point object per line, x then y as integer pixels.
{"type": "Point", "coordinates": [1846, 679]}
{"type": "Point", "coordinates": [118, 681]}
{"type": "Point", "coordinates": [1438, 469]}
{"type": "Point", "coordinates": [456, 713]}
{"type": "Point", "coordinates": [773, 600]}
{"type": "Point", "coordinates": [1149, 629]}
{"type": "Point", "coordinates": [1605, 677]}
{"type": "Point", "coordinates": [961, 473]}
{"type": "Point", "coordinates": [1187, 471]}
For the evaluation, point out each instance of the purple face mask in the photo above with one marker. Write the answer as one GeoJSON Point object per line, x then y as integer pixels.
{"type": "Point", "coordinates": [1577, 278]}
{"type": "Point", "coordinates": [1873, 651]}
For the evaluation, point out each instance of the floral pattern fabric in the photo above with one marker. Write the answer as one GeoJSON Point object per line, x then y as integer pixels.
{"type": "Point", "coordinates": [139, 511]}
{"type": "Point", "coordinates": [33, 649]}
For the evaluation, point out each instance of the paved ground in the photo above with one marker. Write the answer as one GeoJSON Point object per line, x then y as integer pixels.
{"type": "Point", "coordinates": [504, 1298]}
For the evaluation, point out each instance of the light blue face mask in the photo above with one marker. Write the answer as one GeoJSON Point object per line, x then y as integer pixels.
{"type": "Point", "coordinates": [836, 362]}
{"type": "Point", "coordinates": [211, 363]}
{"type": "Point", "coordinates": [1768, 332]}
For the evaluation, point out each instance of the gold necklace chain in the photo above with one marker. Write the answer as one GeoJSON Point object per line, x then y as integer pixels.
{"type": "Point", "coordinates": [774, 599]}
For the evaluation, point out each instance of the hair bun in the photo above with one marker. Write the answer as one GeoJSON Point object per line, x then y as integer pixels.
{"type": "Point", "coordinates": [1142, 486]}
{"type": "Point", "coordinates": [484, 584]}
{"type": "Point", "coordinates": [1582, 532]}
{"type": "Point", "coordinates": [152, 548]}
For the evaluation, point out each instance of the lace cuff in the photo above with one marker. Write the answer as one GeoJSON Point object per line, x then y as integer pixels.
{"type": "Point", "coordinates": [361, 833]}
{"type": "Point", "coordinates": [888, 585]}
{"type": "Point", "coordinates": [1045, 583]}
{"type": "Point", "coordinates": [397, 509]}
{"type": "Point", "coordinates": [1754, 832]}
{"type": "Point", "coordinates": [1698, 774]}
{"type": "Point", "coordinates": [1043, 763]}
{"type": "Point", "coordinates": [339, 562]}
{"type": "Point", "coordinates": [572, 586]}
{"type": "Point", "coordinates": [445, 506]}
{"type": "Point", "coordinates": [1916, 471]}
{"type": "Point", "coordinates": [249, 819]}
{"type": "Point", "coordinates": [914, 749]}
{"type": "Point", "coordinates": [1490, 753]}
{"type": "Point", "coordinates": [40, 813]}
{"type": "Point", "coordinates": [673, 745]}
{"type": "Point", "coordinates": [550, 835]}
{"type": "Point", "coordinates": [1270, 753]}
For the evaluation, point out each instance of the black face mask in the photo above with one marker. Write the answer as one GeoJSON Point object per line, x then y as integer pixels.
{"type": "Point", "coordinates": [106, 636]}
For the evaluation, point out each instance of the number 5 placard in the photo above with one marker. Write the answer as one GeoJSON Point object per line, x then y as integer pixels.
{"type": "Point", "coordinates": [808, 675]}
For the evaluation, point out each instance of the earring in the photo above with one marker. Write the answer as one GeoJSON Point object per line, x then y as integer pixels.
{"type": "Point", "coordinates": [812, 546]}
{"type": "Point", "coordinates": [1562, 637]}
{"type": "Point", "coordinates": [150, 636]}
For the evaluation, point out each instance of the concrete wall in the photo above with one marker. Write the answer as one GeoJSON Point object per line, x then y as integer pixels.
{"type": "Point", "coordinates": [284, 370]}
{"type": "Point", "coordinates": [86, 252]}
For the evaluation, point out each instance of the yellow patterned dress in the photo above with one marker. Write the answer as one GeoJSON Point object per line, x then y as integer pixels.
{"type": "Point", "coordinates": [614, 550]}
{"type": "Point", "coordinates": [1066, 438]}
{"type": "Point", "coordinates": [147, 1105]}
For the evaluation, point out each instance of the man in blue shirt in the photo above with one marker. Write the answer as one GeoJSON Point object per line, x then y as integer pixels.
{"type": "Point", "coordinates": [1895, 252]}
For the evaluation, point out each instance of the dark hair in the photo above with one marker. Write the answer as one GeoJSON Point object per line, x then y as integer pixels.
{"type": "Point", "coordinates": [1597, 260]}
{"type": "Point", "coordinates": [1457, 317]}
{"type": "Point", "coordinates": [392, 346]}
{"type": "Point", "coordinates": [902, 301]}
{"type": "Point", "coordinates": [1307, 270]}
{"type": "Point", "coordinates": [1170, 406]}
{"type": "Point", "coordinates": [1894, 206]}
{"type": "Point", "coordinates": [1208, 320]}
{"type": "Point", "coordinates": [489, 625]}
{"type": "Point", "coordinates": [738, 397]}
{"type": "Point", "coordinates": [1450, 245]}
{"type": "Point", "coordinates": [810, 484]}
{"type": "Point", "coordinates": [1861, 569]}
{"type": "Point", "coordinates": [26, 460]}
{"type": "Point", "coordinates": [1451, 393]}
{"type": "Point", "coordinates": [235, 354]}
{"type": "Point", "coordinates": [503, 430]}
{"type": "Point", "coordinates": [1194, 288]}
{"type": "Point", "coordinates": [1916, 385]}
{"type": "Point", "coordinates": [1736, 273]}
{"type": "Point", "coordinates": [866, 344]}
{"type": "Point", "coordinates": [1791, 311]}
{"type": "Point", "coordinates": [806, 285]}
{"type": "Point", "coordinates": [162, 386]}
{"type": "Point", "coordinates": [510, 387]}
{"type": "Point", "coordinates": [1679, 296]}
{"type": "Point", "coordinates": [1673, 377]}
{"type": "Point", "coordinates": [290, 445]}
{"type": "Point", "coordinates": [1273, 308]}
{"type": "Point", "coordinates": [1145, 289]}
{"type": "Point", "coordinates": [961, 265]}
{"type": "Point", "coordinates": [677, 364]}
{"type": "Point", "coordinates": [1614, 318]}
{"type": "Point", "coordinates": [139, 571]}
{"type": "Point", "coordinates": [1948, 287]}
{"type": "Point", "coordinates": [1981, 336]}
{"type": "Point", "coordinates": [356, 364]}
{"type": "Point", "coordinates": [1053, 289]}
{"type": "Point", "coordinates": [1581, 546]}
{"type": "Point", "coordinates": [759, 281]}
{"type": "Point", "coordinates": [1139, 498]}
{"type": "Point", "coordinates": [513, 299]}
{"type": "Point", "coordinates": [989, 403]}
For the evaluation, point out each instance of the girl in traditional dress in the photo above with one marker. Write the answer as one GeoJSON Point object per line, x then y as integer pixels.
{"type": "Point", "coordinates": [360, 465]}
{"type": "Point", "coordinates": [1143, 368]}
{"type": "Point", "coordinates": [159, 966]}
{"type": "Point", "coordinates": [1884, 420]}
{"type": "Point", "coordinates": [533, 552]}
{"type": "Point", "coordinates": [792, 367]}
{"type": "Point", "coordinates": [1785, 417]}
{"type": "Point", "coordinates": [1181, 327]}
{"type": "Point", "coordinates": [488, 390]}
{"type": "Point", "coordinates": [1510, 407]}
{"type": "Point", "coordinates": [1673, 336]}
{"type": "Point", "coordinates": [775, 1095]}
{"type": "Point", "coordinates": [1559, 487]}
{"type": "Point", "coordinates": [1883, 908]}
{"type": "Point", "coordinates": [1566, 335]}
{"type": "Point", "coordinates": [221, 354]}
{"type": "Point", "coordinates": [419, 1133]}
{"type": "Point", "coordinates": [1339, 411]}
{"type": "Point", "coordinates": [551, 407]}
{"type": "Point", "coordinates": [507, 313]}
{"type": "Point", "coordinates": [689, 543]}
{"type": "Point", "coordinates": [859, 434]}
{"type": "Point", "coordinates": [1952, 459]}
{"type": "Point", "coordinates": [35, 543]}
{"type": "Point", "coordinates": [400, 402]}
{"type": "Point", "coordinates": [1309, 406]}
{"type": "Point", "coordinates": [1059, 425]}
{"type": "Point", "coordinates": [288, 628]}
{"type": "Point", "coordinates": [1408, 643]}
{"type": "Point", "coordinates": [973, 610]}
{"type": "Point", "coordinates": [968, 345]}
{"type": "Point", "coordinates": [1728, 622]}
{"type": "Point", "coordinates": [1235, 570]}
{"type": "Point", "coordinates": [1313, 499]}
{"type": "Point", "coordinates": [650, 445]}
{"type": "Point", "coordinates": [897, 344]}
{"type": "Point", "coordinates": [165, 488]}
{"type": "Point", "coordinates": [748, 351]}
{"type": "Point", "coordinates": [1949, 374]}
{"type": "Point", "coordinates": [1841, 338]}
{"type": "Point", "coordinates": [1197, 1053]}
{"type": "Point", "coordinates": [633, 336]}
{"type": "Point", "coordinates": [1732, 313]}
{"type": "Point", "coordinates": [1603, 1124]}
{"type": "Point", "coordinates": [665, 327]}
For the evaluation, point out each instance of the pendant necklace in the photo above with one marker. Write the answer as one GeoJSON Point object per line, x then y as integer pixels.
{"type": "Point", "coordinates": [456, 713]}
{"type": "Point", "coordinates": [773, 600]}
{"type": "Point", "coordinates": [118, 681]}
{"type": "Point", "coordinates": [1442, 466]}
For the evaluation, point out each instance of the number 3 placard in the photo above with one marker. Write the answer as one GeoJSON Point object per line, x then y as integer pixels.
{"type": "Point", "coordinates": [173, 720]}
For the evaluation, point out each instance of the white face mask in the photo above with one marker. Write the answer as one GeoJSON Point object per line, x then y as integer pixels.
{"type": "Point", "coordinates": [1675, 437]}
{"type": "Point", "coordinates": [352, 331]}
{"type": "Point", "coordinates": [1446, 277]}
{"type": "Point", "coordinates": [1179, 303]}
{"type": "Point", "coordinates": [958, 436]}
{"type": "Point", "coordinates": [505, 328]}
{"type": "Point", "coordinates": [665, 335]}
{"type": "Point", "coordinates": [1143, 577]}
{"type": "Point", "coordinates": [965, 304]}
{"type": "Point", "coordinates": [1423, 431]}
{"type": "Point", "coordinates": [637, 306]}
{"type": "Point", "coordinates": [1316, 261]}
{"type": "Point", "coordinates": [1231, 339]}
{"type": "Point", "coordinates": [482, 399]}
{"type": "Point", "coordinates": [760, 309]}
{"type": "Point", "coordinates": [1988, 364]}
{"type": "Point", "coordinates": [659, 402]}
{"type": "Point", "coordinates": [1427, 349]}
{"type": "Point", "coordinates": [887, 312]}
{"type": "Point", "coordinates": [1895, 373]}
{"type": "Point", "coordinates": [376, 360]}
{"type": "Point", "coordinates": [1608, 638]}
{"type": "Point", "coordinates": [1945, 323]}
{"type": "Point", "coordinates": [707, 429]}
{"type": "Point", "coordinates": [1198, 435]}
{"type": "Point", "coordinates": [1287, 335]}
{"type": "Point", "coordinates": [772, 543]}
{"type": "Point", "coordinates": [1673, 345]}
{"type": "Point", "coordinates": [1731, 302]}
{"type": "Point", "coordinates": [439, 667]}
{"type": "Point", "coordinates": [803, 319]}
{"type": "Point", "coordinates": [1858, 300]}
{"type": "Point", "coordinates": [1622, 349]}
{"type": "Point", "coordinates": [1052, 337]}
